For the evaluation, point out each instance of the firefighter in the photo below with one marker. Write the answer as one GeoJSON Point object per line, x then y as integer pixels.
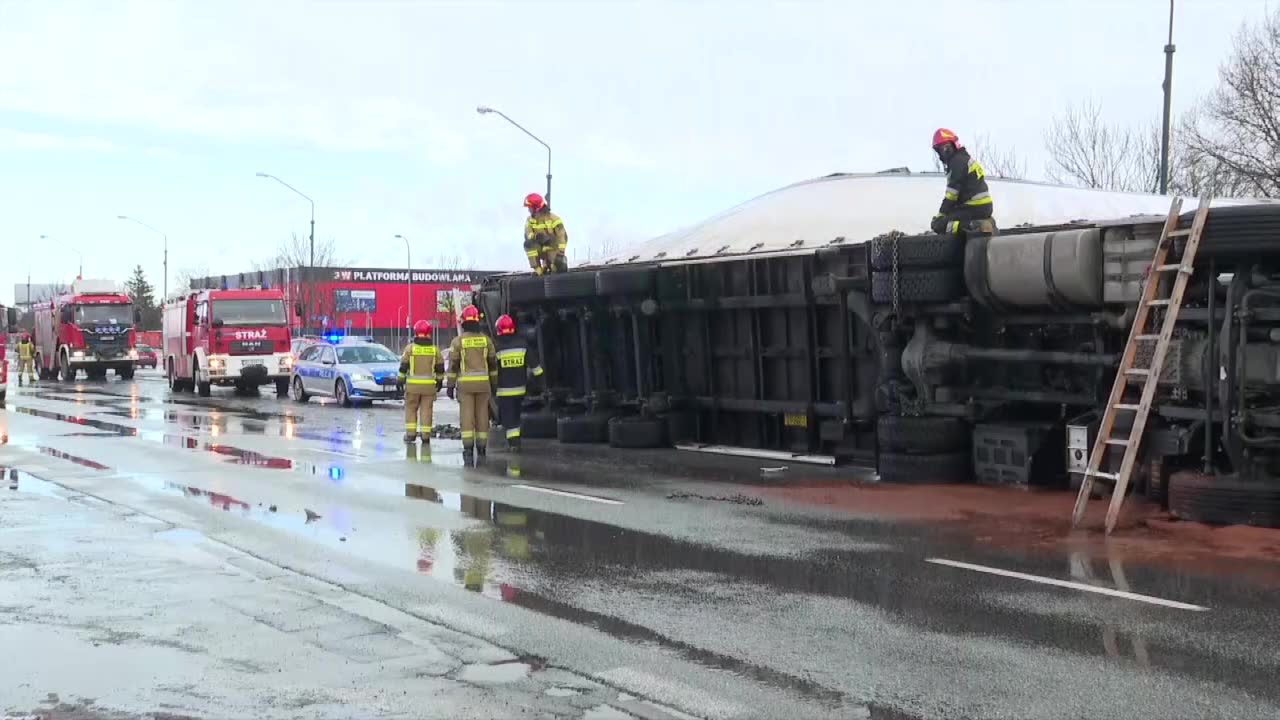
{"type": "Point", "coordinates": [422, 368]}
{"type": "Point", "coordinates": [516, 363]}
{"type": "Point", "coordinates": [967, 205]}
{"type": "Point", "coordinates": [26, 358]}
{"type": "Point", "coordinates": [545, 241]}
{"type": "Point", "coordinates": [473, 369]}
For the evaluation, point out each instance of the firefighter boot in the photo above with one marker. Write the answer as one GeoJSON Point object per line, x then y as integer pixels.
{"type": "Point", "coordinates": [410, 437]}
{"type": "Point", "coordinates": [481, 450]}
{"type": "Point", "coordinates": [513, 444]}
{"type": "Point", "coordinates": [468, 456]}
{"type": "Point", "coordinates": [426, 439]}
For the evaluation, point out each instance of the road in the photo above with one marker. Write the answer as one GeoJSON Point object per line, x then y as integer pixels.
{"type": "Point", "coordinates": [674, 584]}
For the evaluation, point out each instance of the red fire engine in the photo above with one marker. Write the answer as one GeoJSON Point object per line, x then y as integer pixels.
{"type": "Point", "coordinates": [227, 337]}
{"type": "Point", "coordinates": [10, 321]}
{"type": "Point", "coordinates": [90, 328]}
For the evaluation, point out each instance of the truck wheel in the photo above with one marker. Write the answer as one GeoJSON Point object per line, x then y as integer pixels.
{"type": "Point", "coordinates": [918, 286]}
{"type": "Point", "coordinates": [282, 387]}
{"type": "Point", "coordinates": [937, 468]}
{"type": "Point", "coordinates": [920, 251]}
{"type": "Point", "coordinates": [299, 393]}
{"type": "Point", "coordinates": [637, 432]}
{"type": "Point", "coordinates": [125, 373]}
{"type": "Point", "coordinates": [624, 281]}
{"type": "Point", "coordinates": [921, 435]}
{"type": "Point", "coordinates": [565, 286]}
{"type": "Point", "coordinates": [587, 428]}
{"type": "Point", "coordinates": [203, 389]}
{"type": "Point", "coordinates": [539, 425]}
{"type": "Point", "coordinates": [4, 395]}
{"type": "Point", "coordinates": [341, 394]}
{"type": "Point", "coordinates": [526, 288]}
{"type": "Point", "coordinates": [68, 372]}
{"type": "Point", "coordinates": [1223, 499]}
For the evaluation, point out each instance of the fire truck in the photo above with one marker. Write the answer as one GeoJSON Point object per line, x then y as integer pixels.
{"type": "Point", "coordinates": [237, 338]}
{"type": "Point", "coordinates": [11, 321]}
{"type": "Point", "coordinates": [90, 328]}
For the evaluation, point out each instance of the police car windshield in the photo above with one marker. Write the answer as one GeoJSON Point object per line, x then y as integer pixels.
{"type": "Point", "coordinates": [249, 312]}
{"type": "Point", "coordinates": [104, 314]}
{"type": "Point", "coordinates": [365, 354]}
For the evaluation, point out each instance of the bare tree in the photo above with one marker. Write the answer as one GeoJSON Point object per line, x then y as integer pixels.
{"type": "Point", "coordinates": [305, 285]}
{"type": "Point", "coordinates": [1234, 136]}
{"type": "Point", "coordinates": [998, 160]}
{"type": "Point", "coordinates": [1086, 150]}
{"type": "Point", "coordinates": [188, 274]}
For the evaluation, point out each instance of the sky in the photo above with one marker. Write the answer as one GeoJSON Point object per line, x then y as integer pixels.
{"type": "Point", "coordinates": [659, 114]}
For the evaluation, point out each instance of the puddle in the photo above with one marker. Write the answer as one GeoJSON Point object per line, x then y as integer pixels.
{"type": "Point", "coordinates": [494, 674]}
{"type": "Point", "coordinates": [182, 536]}
{"type": "Point", "coordinates": [25, 482]}
{"type": "Point", "coordinates": [82, 461]}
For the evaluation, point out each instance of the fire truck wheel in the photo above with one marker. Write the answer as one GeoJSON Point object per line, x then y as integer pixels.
{"type": "Point", "coordinates": [68, 372]}
{"type": "Point", "coordinates": [282, 387]}
{"type": "Point", "coordinates": [918, 286]}
{"type": "Point", "coordinates": [1223, 499]}
{"type": "Point", "coordinates": [921, 435]}
{"type": "Point", "coordinates": [589, 428]}
{"type": "Point", "coordinates": [528, 288]}
{"type": "Point", "coordinates": [937, 468]}
{"type": "Point", "coordinates": [298, 392]}
{"type": "Point", "coordinates": [4, 394]}
{"type": "Point", "coordinates": [538, 425]}
{"type": "Point", "coordinates": [923, 251]}
{"type": "Point", "coordinates": [637, 432]}
{"type": "Point", "coordinates": [203, 389]}
{"type": "Point", "coordinates": [622, 281]}
{"type": "Point", "coordinates": [570, 285]}
{"type": "Point", "coordinates": [125, 373]}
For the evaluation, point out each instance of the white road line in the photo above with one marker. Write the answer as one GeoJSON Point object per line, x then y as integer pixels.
{"type": "Point", "coordinates": [1067, 584]}
{"type": "Point", "coordinates": [333, 452]}
{"type": "Point", "coordinates": [565, 493]}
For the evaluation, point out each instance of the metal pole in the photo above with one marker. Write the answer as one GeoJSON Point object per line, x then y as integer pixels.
{"type": "Point", "coordinates": [1168, 98]}
{"type": "Point", "coordinates": [165, 283]}
{"type": "Point", "coordinates": [408, 263]}
{"type": "Point", "coordinates": [484, 110]}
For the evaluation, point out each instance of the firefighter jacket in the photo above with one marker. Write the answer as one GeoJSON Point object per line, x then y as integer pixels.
{"type": "Point", "coordinates": [422, 365]}
{"type": "Point", "coordinates": [546, 229]}
{"type": "Point", "coordinates": [473, 363]}
{"type": "Point", "coordinates": [967, 194]}
{"type": "Point", "coordinates": [516, 364]}
{"type": "Point", "coordinates": [26, 350]}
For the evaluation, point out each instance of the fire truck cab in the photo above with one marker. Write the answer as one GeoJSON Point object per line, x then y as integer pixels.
{"type": "Point", "coordinates": [236, 338]}
{"type": "Point", "coordinates": [90, 328]}
{"type": "Point", "coordinates": [10, 316]}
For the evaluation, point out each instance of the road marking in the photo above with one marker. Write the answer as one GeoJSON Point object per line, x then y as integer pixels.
{"type": "Point", "coordinates": [333, 452]}
{"type": "Point", "coordinates": [565, 493]}
{"type": "Point", "coordinates": [1067, 584]}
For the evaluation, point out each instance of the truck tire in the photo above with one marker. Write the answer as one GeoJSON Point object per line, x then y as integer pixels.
{"type": "Point", "coordinates": [589, 428]}
{"type": "Point", "coordinates": [568, 286]}
{"type": "Point", "coordinates": [299, 392]}
{"type": "Point", "coordinates": [918, 286]}
{"type": "Point", "coordinates": [341, 393]}
{"type": "Point", "coordinates": [4, 395]}
{"type": "Point", "coordinates": [624, 281]}
{"type": "Point", "coordinates": [921, 435]}
{"type": "Point", "coordinates": [637, 432]}
{"type": "Point", "coordinates": [282, 387]}
{"type": "Point", "coordinates": [125, 373]}
{"type": "Point", "coordinates": [921, 251]}
{"type": "Point", "coordinates": [203, 389]}
{"type": "Point", "coordinates": [538, 425]}
{"type": "Point", "coordinates": [936, 468]}
{"type": "Point", "coordinates": [68, 372]}
{"type": "Point", "coordinates": [526, 288]}
{"type": "Point", "coordinates": [1223, 500]}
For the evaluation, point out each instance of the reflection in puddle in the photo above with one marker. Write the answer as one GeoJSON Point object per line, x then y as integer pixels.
{"type": "Point", "coordinates": [25, 482]}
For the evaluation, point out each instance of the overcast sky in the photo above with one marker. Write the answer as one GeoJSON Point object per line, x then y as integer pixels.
{"type": "Point", "coordinates": [659, 113]}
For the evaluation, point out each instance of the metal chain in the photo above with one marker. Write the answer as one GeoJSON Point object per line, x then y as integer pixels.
{"type": "Point", "coordinates": [896, 314]}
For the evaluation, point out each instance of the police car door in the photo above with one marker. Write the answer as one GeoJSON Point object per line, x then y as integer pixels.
{"type": "Point", "coordinates": [326, 370]}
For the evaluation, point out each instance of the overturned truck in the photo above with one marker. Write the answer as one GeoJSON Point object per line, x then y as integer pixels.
{"type": "Point", "coordinates": [934, 358]}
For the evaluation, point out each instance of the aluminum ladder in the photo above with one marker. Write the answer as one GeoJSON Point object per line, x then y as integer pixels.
{"type": "Point", "coordinates": [1145, 378]}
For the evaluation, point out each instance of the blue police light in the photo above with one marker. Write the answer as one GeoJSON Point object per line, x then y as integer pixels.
{"type": "Point", "coordinates": [335, 472]}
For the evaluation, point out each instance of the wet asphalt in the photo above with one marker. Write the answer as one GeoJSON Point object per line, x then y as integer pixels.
{"type": "Point", "coordinates": [665, 574]}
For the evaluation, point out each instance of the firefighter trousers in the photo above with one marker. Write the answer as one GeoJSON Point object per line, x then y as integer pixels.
{"type": "Point", "coordinates": [509, 417]}
{"type": "Point", "coordinates": [27, 368]}
{"type": "Point", "coordinates": [474, 411]}
{"type": "Point", "coordinates": [419, 410]}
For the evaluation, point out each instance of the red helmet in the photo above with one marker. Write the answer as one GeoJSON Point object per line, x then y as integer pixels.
{"type": "Point", "coordinates": [422, 328]}
{"type": "Point", "coordinates": [506, 325]}
{"type": "Point", "coordinates": [471, 313]}
{"type": "Point", "coordinates": [942, 136]}
{"type": "Point", "coordinates": [534, 201]}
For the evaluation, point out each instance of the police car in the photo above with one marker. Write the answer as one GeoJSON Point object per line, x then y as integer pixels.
{"type": "Point", "coordinates": [349, 370]}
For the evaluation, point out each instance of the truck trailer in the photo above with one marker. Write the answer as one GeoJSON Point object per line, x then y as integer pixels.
{"type": "Point", "coordinates": [232, 338]}
{"type": "Point", "coordinates": [933, 358]}
{"type": "Point", "coordinates": [90, 328]}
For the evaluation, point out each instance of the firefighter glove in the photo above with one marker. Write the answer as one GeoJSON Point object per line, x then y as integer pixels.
{"type": "Point", "coordinates": [404, 367]}
{"type": "Point", "coordinates": [939, 224]}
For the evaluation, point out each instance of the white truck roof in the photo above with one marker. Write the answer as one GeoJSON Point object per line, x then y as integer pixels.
{"type": "Point", "coordinates": [94, 286]}
{"type": "Point", "coordinates": [858, 207]}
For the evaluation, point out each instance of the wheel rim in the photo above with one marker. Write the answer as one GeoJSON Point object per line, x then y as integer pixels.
{"type": "Point", "coordinates": [342, 393]}
{"type": "Point", "coordinates": [297, 389]}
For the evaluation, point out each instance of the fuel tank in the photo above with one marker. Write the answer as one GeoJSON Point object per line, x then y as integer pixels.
{"type": "Point", "coordinates": [1060, 269]}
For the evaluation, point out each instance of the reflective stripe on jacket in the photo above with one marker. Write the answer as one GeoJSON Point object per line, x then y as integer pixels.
{"type": "Point", "coordinates": [426, 367]}
{"type": "Point", "coordinates": [26, 350]}
{"type": "Point", "coordinates": [516, 362]}
{"type": "Point", "coordinates": [472, 361]}
{"type": "Point", "coordinates": [966, 187]}
{"type": "Point", "coordinates": [546, 229]}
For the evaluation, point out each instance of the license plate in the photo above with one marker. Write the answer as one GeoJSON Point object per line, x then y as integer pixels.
{"type": "Point", "coordinates": [253, 365]}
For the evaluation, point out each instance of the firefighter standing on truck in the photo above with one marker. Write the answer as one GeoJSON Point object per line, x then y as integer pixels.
{"type": "Point", "coordinates": [423, 369]}
{"type": "Point", "coordinates": [966, 206]}
{"type": "Point", "coordinates": [473, 368]}
{"type": "Point", "coordinates": [546, 243]}
{"type": "Point", "coordinates": [26, 358]}
{"type": "Point", "coordinates": [516, 363]}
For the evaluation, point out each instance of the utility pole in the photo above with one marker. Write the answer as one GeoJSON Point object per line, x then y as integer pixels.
{"type": "Point", "coordinates": [1168, 97]}
{"type": "Point", "coordinates": [485, 110]}
{"type": "Point", "coordinates": [164, 235]}
{"type": "Point", "coordinates": [408, 262]}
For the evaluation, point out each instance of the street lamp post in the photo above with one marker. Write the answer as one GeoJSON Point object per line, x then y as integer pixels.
{"type": "Point", "coordinates": [312, 262]}
{"type": "Point", "coordinates": [408, 262]}
{"type": "Point", "coordinates": [1168, 97]}
{"type": "Point", "coordinates": [485, 110]}
{"type": "Point", "coordinates": [165, 294]}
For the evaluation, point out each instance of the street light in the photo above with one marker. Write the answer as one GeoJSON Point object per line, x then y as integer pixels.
{"type": "Point", "coordinates": [313, 216]}
{"type": "Point", "coordinates": [165, 295]}
{"type": "Point", "coordinates": [79, 254]}
{"type": "Point", "coordinates": [408, 261]}
{"type": "Point", "coordinates": [1168, 97]}
{"type": "Point", "coordinates": [485, 110]}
